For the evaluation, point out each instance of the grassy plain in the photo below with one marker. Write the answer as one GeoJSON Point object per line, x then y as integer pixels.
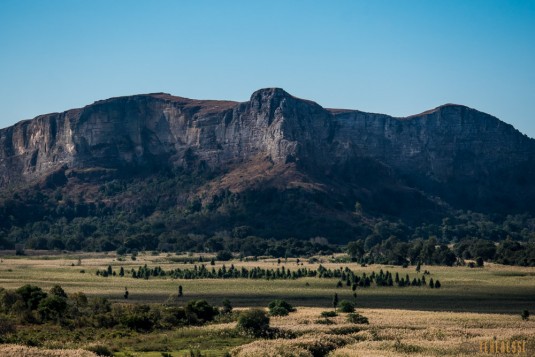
{"type": "Point", "coordinates": [473, 305]}
{"type": "Point", "coordinates": [492, 289]}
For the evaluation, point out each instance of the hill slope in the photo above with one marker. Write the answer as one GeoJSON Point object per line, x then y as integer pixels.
{"type": "Point", "coordinates": [274, 166]}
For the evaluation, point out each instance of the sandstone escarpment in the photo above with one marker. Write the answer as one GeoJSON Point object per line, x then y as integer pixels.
{"type": "Point", "coordinates": [451, 151]}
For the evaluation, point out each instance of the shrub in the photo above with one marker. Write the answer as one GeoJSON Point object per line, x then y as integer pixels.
{"type": "Point", "coordinates": [278, 311]}
{"type": "Point", "coordinates": [254, 322]}
{"type": "Point", "coordinates": [202, 310]}
{"type": "Point", "coordinates": [138, 319]}
{"type": "Point", "coordinates": [343, 330]}
{"type": "Point", "coordinates": [223, 255]}
{"type": "Point", "coordinates": [52, 307]}
{"type": "Point", "coordinates": [227, 307]}
{"type": "Point", "coordinates": [480, 262]}
{"type": "Point", "coordinates": [346, 306]}
{"type": "Point", "coordinates": [58, 291]}
{"type": "Point", "coordinates": [31, 295]}
{"type": "Point", "coordinates": [6, 326]}
{"type": "Point", "coordinates": [355, 318]}
{"type": "Point", "coordinates": [280, 308]}
{"type": "Point", "coordinates": [328, 314]}
{"type": "Point", "coordinates": [325, 321]}
{"type": "Point", "coordinates": [100, 350]}
{"type": "Point", "coordinates": [8, 300]}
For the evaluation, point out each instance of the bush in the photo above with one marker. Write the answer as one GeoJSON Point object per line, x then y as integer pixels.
{"type": "Point", "coordinates": [202, 310]}
{"type": "Point", "coordinates": [280, 308]}
{"type": "Point", "coordinates": [479, 261]}
{"type": "Point", "coordinates": [346, 306]}
{"type": "Point", "coordinates": [223, 255]}
{"type": "Point", "coordinates": [100, 350]}
{"type": "Point", "coordinates": [227, 307]}
{"type": "Point", "coordinates": [58, 291]}
{"type": "Point", "coordinates": [137, 318]}
{"type": "Point", "coordinates": [278, 311]}
{"type": "Point", "coordinates": [328, 314]}
{"type": "Point", "coordinates": [325, 321]}
{"type": "Point", "coordinates": [254, 322]}
{"type": "Point", "coordinates": [6, 326]}
{"type": "Point", "coordinates": [355, 318]}
{"type": "Point", "coordinates": [31, 295]}
{"type": "Point", "coordinates": [52, 307]}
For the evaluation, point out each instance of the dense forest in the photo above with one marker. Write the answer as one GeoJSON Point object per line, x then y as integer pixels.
{"type": "Point", "coordinates": [162, 213]}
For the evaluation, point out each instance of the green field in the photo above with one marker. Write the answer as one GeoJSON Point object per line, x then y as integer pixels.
{"type": "Point", "coordinates": [473, 305]}
{"type": "Point", "coordinates": [492, 289]}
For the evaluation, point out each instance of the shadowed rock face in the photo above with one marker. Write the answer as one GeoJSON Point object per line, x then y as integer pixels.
{"type": "Point", "coordinates": [468, 158]}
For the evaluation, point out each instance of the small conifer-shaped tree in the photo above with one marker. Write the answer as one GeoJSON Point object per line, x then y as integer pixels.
{"type": "Point", "coordinates": [525, 315]}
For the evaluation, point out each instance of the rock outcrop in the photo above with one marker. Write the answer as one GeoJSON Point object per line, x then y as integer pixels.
{"type": "Point", "coordinates": [468, 158]}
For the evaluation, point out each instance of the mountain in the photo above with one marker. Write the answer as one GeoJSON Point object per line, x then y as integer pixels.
{"type": "Point", "coordinates": [278, 165]}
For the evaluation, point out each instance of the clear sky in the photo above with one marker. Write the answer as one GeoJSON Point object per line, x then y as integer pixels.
{"type": "Point", "coordinates": [393, 57]}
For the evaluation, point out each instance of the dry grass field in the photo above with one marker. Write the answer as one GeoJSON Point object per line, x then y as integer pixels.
{"type": "Point", "coordinates": [473, 307]}
{"type": "Point", "coordinates": [407, 332]}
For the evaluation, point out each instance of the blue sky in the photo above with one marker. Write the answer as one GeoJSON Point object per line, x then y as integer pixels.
{"type": "Point", "coordinates": [393, 57]}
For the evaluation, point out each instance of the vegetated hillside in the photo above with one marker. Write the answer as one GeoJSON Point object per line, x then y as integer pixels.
{"type": "Point", "coordinates": [158, 171]}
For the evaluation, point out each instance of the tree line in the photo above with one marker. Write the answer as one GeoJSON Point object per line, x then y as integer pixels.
{"type": "Point", "coordinates": [345, 275]}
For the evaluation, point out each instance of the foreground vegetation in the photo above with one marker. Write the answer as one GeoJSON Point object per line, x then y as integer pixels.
{"type": "Point", "coordinates": [165, 314]}
{"type": "Point", "coordinates": [306, 333]}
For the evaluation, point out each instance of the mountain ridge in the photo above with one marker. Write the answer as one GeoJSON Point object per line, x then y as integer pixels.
{"type": "Point", "coordinates": [287, 157]}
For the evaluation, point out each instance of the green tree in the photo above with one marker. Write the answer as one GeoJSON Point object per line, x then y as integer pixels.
{"type": "Point", "coordinates": [335, 300]}
{"type": "Point", "coordinates": [280, 308]}
{"type": "Point", "coordinates": [57, 290]}
{"type": "Point", "coordinates": [525, 315]}
{"type": "Point", "coordinates": [254, 322]}
{"type": "Point", "coordinates": [31, 295]}
{"type": "Point", "coordinates": [346, 306]}
{"type": "Point", "coordinates": [355, 250]}
{"type": "Point", "coordinates": [227, 307]}
{"type": "Point", "coordinates": [52, 307]}
{"type": "Point", "coordinates": [223, 255]}
{"type": "Point", "coordinates": [202, 310]}
{"type": "Point", "coordinates": [480, 262]}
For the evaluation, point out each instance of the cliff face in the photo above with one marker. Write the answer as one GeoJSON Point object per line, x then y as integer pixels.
{"type": "Point", "coordinates": [462, 155]}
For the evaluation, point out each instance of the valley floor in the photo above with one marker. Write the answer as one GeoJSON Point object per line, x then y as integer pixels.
{"type": "Point", "coordinates": [474, 309]}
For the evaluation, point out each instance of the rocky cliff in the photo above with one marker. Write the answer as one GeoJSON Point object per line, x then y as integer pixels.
{"type": "Point", "coordinates": [466, 158]}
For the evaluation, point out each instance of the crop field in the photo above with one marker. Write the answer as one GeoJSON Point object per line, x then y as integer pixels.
{"type": "Point", "coordinates": [473, 307]}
